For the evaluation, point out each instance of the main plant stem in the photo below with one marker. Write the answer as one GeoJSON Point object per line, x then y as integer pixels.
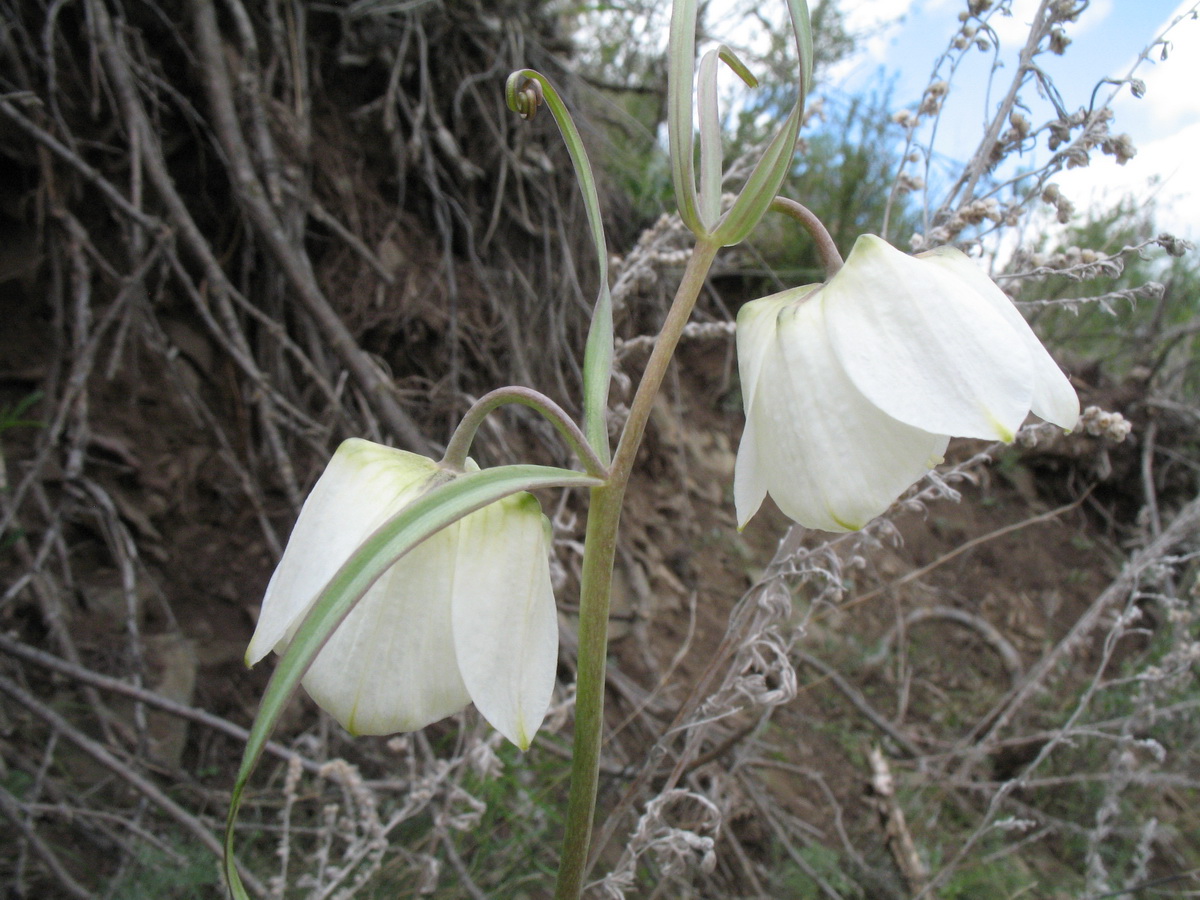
{"type": "Point", "coordinates": [600, 545]}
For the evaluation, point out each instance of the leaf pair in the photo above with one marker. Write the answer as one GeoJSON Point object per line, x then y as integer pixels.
{"type": "Point", "coordinates": [701, 210]}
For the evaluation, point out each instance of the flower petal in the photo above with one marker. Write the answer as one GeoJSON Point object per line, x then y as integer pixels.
{"type": "Point", "coordinates": [390, 666]}
{"type": "Point", "coordinates": [757, 326]}
{"type": "Point", "coordinates": [363, 486]}
{"type": "Point", "coordinates": [923, 346]}
{"type": "Point", "coordinates": [756, 329]}
{"type": "Point", "coordinates": [504, 619]}
{"type": "Point", "coordinates": [1053, 397]}
{"type": "Point", "coordinates": [830, 457]}
{"type": "Point", "coordinates": [749, 483]}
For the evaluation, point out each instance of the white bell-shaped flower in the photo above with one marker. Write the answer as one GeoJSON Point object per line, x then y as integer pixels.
{"type": "Point", "coordinates": [466, 616]}
{"type": "Point", "coordinates": [853, 388]}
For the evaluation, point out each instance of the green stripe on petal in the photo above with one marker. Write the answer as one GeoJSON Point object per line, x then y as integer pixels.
{"type": "Point", "coordinates": [418, 521]}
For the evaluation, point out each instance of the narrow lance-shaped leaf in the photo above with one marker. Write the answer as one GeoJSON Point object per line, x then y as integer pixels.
{"type": "Point", "coordinates": [598, 352]}
{"type": "Point", "coordinates": [769, 172]}
{"type": "Point", "coordinates": [762, 185]}
{"type": "Point", "coordinates": [802, 29]}
{"type": "Point", "coordinates": [711, 155]}
{"type": "Point", "coordinates": [443, 506]}
{"type": "Point", "coordinates": [680, 55]}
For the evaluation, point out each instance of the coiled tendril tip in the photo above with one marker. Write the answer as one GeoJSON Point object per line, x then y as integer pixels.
{"type": "Point", "coordinates": [529, 98]}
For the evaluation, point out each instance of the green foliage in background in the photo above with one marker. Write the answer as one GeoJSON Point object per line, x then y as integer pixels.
{"type": "Point", "coordinates": [845, 173]}
{"type": "Point", "coordinates": [184, 873]}
{"type": "Point", "coordinates": [14, 416]}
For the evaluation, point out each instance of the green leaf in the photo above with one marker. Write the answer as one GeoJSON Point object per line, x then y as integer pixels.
{"type": "Point", "coordinates": [802, 30]}
{"type": "Point", "coordinates": [699, 211]}
{"type": "Point", "coordinates": [763, 184]}
{"type": "Point", "coordinates": [597, 372]}
{"type": "Point", "coordinates": [442, 506]}
{"type": "Point", "coordinates": [711, 156]}
{"type": "Point", "coordinates": [598, 352]}
{"type": "Point", "coordinates": [680, 57]}
{"type": "Point", "coordinates": [11, 417]}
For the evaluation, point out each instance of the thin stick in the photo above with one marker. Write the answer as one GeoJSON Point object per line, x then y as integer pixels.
{"type": "Point", "coordinates": [115, 685]}
{"type": "Point", "coordinates": [1183, 527]}
{"type": "Point", "coordinates": [961, 549]}
{"type": "Point", "coordinates": [294, 263]}
{"type": "Point", "coordinates": [12, 811]}
{"type": "Point", "coordinates": [135, 779]}
{"type": "Point", "coordinates": [860, 703]}
{"type": "Point", "coordinates": [985, 629]}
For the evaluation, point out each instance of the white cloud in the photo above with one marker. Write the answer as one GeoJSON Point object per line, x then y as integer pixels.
{"type": "Point", "coordinates": [1164, 169]}
{"type": "Point", "coordinates": [1171, 97]}
{"type": "Point", "coordinates": [875, 24]}
{"type": "Point", "coordinates": [868, 15]}
{"type": "Point", "coordinates": [1013, 30]}
{"type": "Point", "coordinates": [1165, 127]}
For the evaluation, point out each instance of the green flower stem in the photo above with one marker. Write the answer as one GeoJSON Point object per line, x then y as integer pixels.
{"type": "Point", "coordinates": [460, 442]}
{"type": "Point", "coordinates": [664, 348]}
{"type": "Point", "coordinates": [600, 545]}
{"type": "Point", "coordinates": [827, 250]}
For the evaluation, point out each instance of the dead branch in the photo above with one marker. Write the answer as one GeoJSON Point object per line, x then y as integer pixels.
{"type": "Point", "coordinates": [83, 675]}
{"type": "Point", "coordinates": [965, 547]}
{"type": "Point", "coordinates": [991, 635]}
{"type": "Point", "coordinates": [860, 703]}
{"type": "Point", "coordinates": [1182, 528]}
{"type": "Point", "coordinates": [12, 811]}
{"type": "Point", "coordinates": [133, 778]}
{"type": "Point", "coordinates": [294, 263]}
{"type": "Point", "coordinates": [899, 838]}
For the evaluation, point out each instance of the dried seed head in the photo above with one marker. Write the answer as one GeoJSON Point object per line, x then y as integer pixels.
{"type": "Point", "coordinates": [1174, 246]}
{"type": "Point", "coordinates": [1099, 423]}
{"type": "Point", "coordinates": [1058, 41]}
{"type": "Point", "coordinates": [1121, 147]}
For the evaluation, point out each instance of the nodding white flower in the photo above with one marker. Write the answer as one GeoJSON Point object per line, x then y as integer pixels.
{"type": "Point", "coordinates": [466, 616]}
{"type": "Point", "coordinates": [853, 388]}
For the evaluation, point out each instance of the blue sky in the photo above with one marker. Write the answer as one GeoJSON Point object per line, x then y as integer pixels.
{"type": "Point", "coordinates": [1107, 38]}
{"type": "Point", "coordinates": [1104, 39]}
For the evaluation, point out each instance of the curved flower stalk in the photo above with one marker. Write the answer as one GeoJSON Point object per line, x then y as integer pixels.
{"type": "Point", "coordinates": [466, 616]}
{"type": "Point", "coordinates": [853, 388]}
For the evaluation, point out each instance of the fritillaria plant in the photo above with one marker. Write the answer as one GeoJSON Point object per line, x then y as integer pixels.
{"type": "Point", "coordinates": [410, 588]}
